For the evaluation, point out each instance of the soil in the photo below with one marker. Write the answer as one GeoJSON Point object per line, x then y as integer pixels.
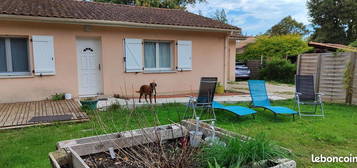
{"type": "Point", "coordinates": [172, 154]}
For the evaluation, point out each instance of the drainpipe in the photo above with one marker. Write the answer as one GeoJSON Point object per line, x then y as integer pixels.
{"type": "Point", "coordinates": [225, 58]}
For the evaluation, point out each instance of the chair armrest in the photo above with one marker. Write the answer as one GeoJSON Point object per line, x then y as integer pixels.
{"type": "Point", "coordinates": [298, 93]}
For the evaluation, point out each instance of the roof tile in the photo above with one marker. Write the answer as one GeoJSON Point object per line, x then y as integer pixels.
{"type": "Point", "coordinates": [107, 11]}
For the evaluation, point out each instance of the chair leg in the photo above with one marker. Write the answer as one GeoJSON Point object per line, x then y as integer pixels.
{"type": "Point", "coordinates": [299, 109]}
{"type": "Point", "coordinates": [214, 114]}
{"type": "Point", "coordinates": [253, 116]}
{"type": "Point", "coordinates": [322, 110]}
{"type": "Point", "coordinates": [315, 108]}
{"type": "Point", "coordinates": [294, 117]}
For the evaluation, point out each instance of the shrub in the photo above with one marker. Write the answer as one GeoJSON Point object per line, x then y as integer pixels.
{"type": "Point", "coordinates": [279, 70]}
{"type": "Point", "coordinates": [57, 96]}
{"type": "Point", "coordinates": [353, 44]}
{"type": "Point", "coordinates": [238, 153]}
{"type": "Point", "coordinates": [274, 47]}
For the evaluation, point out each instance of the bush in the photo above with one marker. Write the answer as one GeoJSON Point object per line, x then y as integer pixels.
{"type": "Point", "coordinates": [274, 47]}
{"type": "Point", "coordinates": [279, 70]}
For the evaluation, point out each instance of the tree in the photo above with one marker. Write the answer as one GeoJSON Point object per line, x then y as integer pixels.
{"type": "Point", "coordinates": [220, 15]}
{"type": "Point", "coordinates": [173, 4]}
{"type": "Point", "coordinates": [271, 47]}
{"type": "Point", "coordinates": [334, 21]}
{"type": "Point", "coordinates": [288, 25]}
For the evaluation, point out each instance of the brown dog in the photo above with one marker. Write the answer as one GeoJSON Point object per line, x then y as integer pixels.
{"type": "Point", "coordinates": [148, 90]}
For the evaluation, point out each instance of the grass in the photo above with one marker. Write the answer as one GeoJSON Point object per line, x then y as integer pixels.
{"type": "Point", "coordinates": [333, 136]}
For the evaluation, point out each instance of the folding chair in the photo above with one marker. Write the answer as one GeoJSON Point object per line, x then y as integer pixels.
{"type": "Point", "coordinates": [205, 97]}
{"type": "Point", "coordinates": [259, 95]}
{"type": "Point", "coordinates": [306, 95]}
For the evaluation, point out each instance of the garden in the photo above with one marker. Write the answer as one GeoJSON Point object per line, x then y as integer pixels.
{"type": "Point", "coordinates": [331, 136]}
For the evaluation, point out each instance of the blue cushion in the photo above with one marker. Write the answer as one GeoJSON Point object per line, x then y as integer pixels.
{"type": "Point", "coordinates": [239, 110]}
{"type": "Point", "coordinates": [280, 110]}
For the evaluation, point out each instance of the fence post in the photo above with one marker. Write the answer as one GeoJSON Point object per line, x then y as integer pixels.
{"type": "Point", "coordinates": [318, 73]}
{"type": "Point", "coordinates": [298, 64]}
{"type": "Point", "coordinates": [353, 70]}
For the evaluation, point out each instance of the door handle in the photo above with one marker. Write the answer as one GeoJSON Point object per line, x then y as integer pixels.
{"type": "Point", "coordinates": [99, 67]}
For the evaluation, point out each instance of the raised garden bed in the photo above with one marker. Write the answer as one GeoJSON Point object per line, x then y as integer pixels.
{"type": "Point", "coordinates": [148, 147]}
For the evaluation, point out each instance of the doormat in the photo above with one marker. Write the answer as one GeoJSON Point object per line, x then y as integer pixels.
{"type": "Point", "coordinates": [51, 118]}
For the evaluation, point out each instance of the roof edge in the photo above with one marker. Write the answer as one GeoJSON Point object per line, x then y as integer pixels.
{"type": "Point", "coordinates": [109, 23]}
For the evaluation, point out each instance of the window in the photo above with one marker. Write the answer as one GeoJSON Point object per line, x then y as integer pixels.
{"type": "Point", "coordinates": [14, 58]}
{"type": "Point", "coordinates": [157, 56]}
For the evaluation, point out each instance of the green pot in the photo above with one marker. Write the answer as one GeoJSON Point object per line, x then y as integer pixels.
{"type": "Point", "coordinates": [89, 104]}
{"type": "Point", "coordinates": [220, 89]}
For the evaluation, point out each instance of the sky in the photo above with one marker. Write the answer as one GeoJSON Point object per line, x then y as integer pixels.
{"type": "Point", "coordinates": [254, 16]}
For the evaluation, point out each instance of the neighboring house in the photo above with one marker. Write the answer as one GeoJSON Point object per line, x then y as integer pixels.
{"type": "Point", "coordinates": [89, 48]}
{"type": "Point", "coordinates": [329, 47]}
{"type": "Point", "coordinates": [243, 43]}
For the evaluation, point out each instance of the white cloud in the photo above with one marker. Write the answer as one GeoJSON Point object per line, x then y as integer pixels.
{"type": "Point", "coordinates": [254, 16]}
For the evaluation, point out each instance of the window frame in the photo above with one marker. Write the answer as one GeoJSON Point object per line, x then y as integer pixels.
{"type": "Point", "coordinates": [9, 57]}
{"type": "Point", "coordinates": [157, 56]}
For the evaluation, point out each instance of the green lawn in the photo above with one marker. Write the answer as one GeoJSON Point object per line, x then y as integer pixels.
{"type": "Point", "coordinates": [336, 135]}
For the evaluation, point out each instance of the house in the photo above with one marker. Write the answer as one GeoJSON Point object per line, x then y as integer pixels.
{"type": "Point", "coordinates": [90, 48]}
{"type": "Point", "coordinates": [243, 43]}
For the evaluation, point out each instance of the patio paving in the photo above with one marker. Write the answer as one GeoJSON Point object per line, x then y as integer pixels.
{"type": "Point", "coordinates": [24, 114]}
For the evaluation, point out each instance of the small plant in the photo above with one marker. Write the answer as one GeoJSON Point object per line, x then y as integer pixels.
{"type": "Point", "coordinates": [219, 88]}
{"type": "Point", "coordinates": [57, 96]}
{"type": "Point", "coordinates": [238, 153]}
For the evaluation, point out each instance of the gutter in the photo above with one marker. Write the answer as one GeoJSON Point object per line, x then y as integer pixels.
{"type": "Point", "coordinates": [108, 23]}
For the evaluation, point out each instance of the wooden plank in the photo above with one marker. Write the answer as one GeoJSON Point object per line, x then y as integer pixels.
{"type": "Point", "coordinates": [2, 111]}
{"type": "Point", "coordinates": [4, 114]}
{"type": "Point", "coordinates": [75, 106]}
{"type": "Point", "coordinates": [73, 112]}
{"type": "Point", "coordinates": [22, 113]}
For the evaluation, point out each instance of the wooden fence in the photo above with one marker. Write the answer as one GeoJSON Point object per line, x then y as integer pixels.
{"type": "Point", "coordinates": [254, 66]}
{"type": "Point", "coordinates": [329, 72]}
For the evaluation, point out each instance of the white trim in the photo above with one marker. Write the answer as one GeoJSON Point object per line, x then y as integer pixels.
{"type": "Point", "coordinates": [157, 56]}
{"type": "Point", "coordinates": [15, 73]}
{"type": "Point", "coordinates": [110, 23]}
{"type": "Point", "coordinates": [8, 55]}
{"type": "Point", "coordinates": [9, 66]}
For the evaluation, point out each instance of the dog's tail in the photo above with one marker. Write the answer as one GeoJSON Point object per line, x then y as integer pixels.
{"type": "Point", "coordinates": [137, 91]}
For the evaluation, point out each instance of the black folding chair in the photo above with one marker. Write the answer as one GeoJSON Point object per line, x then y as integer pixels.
{"type": "Point", "coordinates": [205, 96]}
{"type": "Point", "coordinates": [306, 95]}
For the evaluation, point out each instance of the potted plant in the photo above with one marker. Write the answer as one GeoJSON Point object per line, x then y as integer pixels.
{"type": "Point", "coordinates": [89, 103]}
{"type": "Point", "coordinates": [219, 88]}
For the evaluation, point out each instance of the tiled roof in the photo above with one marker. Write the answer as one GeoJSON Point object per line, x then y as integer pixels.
{"type": "Point", "coordinates": [72, 9]}
{"type": "Point", "coordinates": [335, 46]}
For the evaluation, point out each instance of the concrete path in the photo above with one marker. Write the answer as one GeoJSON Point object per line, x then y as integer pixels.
{"type": "Point", "coordinates": [223, 99]}
{"type": "Point", "coordinates": [275, 92]}
{"type": "Point", "coordinates": [274, 89]}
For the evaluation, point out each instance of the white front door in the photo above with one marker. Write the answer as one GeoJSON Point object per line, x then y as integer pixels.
{"type": "Point", "coordinates": [89, 66]}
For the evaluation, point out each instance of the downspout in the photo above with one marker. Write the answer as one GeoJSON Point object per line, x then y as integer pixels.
{"type": "Point", "coordinates": [225, 58]}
